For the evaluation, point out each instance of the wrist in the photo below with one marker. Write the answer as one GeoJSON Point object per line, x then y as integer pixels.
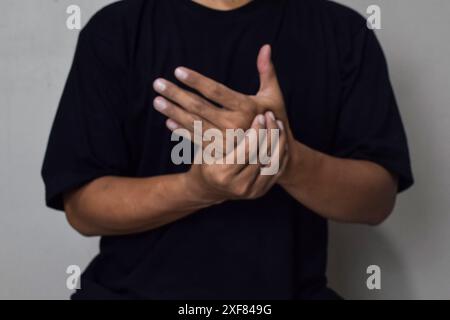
{"type": "Point", "coordinates": [198, 190]}
{"type": "Point", "coordinates": [301, 164]}
{"type": "Point", "coordinates": [293, 161]}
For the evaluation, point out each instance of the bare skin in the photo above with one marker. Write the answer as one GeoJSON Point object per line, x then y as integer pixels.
{"type": "Point", "coordinates": [223, 4]}
{"type": "Point", "coordinates": [339, 189]}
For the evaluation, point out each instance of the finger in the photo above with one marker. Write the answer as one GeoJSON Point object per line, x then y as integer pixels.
{"type": "Point", "coordinates": [178, 130]}
{"type": "Point", "coordinates": [251, 169]}
{"type": "Point", "coordinates": [269, 155]}
{"type": "Point", "coordinates": [172, 111]}
{"type": "Point", "coordinates": [263, 183]}
{"type": "Point", "coordinates": [187, 100]}
{"type": "Point", "coordinates": [196, 136]}
{"type": "Point", "coordinates": [273, 132]}
{"type": "Point", "coordinates": [267, 73]}
{"type": "Point", "coordinates": [284, 162]}
{"type": "Point", "coordinates": [278, 150]}
{"type": "Point", "coordinates": [246, 152]}
{"type": "Point", "coordinates": [278, 163]}
{"type": "Point", "coordinates": [209, 88]}
{"type": "Point", "coordinates": [180, 116]}
{"type": "Point", "coordinates": [181, 122]}
{"type": "Point", "coordinates": [172, 125]}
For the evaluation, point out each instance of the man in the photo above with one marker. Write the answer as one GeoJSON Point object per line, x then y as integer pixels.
{"type": "Point", "coordinates": [310, 68]}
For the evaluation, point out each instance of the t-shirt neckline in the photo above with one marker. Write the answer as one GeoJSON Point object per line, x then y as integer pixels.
{"type": "Point", "coordinates": [243, 11]}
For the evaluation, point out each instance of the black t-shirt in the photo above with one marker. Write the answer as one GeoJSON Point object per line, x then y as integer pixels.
{"type": "Point", "coordinates": [339, 99]}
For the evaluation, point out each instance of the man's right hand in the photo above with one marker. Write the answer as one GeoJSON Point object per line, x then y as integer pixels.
{"type": "Point", "coordinates": [220, 182]}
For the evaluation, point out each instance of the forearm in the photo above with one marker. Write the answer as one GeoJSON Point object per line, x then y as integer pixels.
{"type": "Point", "coordinates": [116, 206]}
{"type": "Point", "coordinates": [343, 190]}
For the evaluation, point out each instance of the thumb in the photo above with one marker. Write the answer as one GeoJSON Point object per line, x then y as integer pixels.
{"type": "Point", "coordinates": [267, 74]}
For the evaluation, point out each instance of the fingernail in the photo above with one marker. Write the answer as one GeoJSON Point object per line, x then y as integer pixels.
{"type": "Point", "coordinates": [159, 85]}
{"type": "Point", "coordinates": [181, 74]}
{"type": "Point", "coordinates": [172, 125]}
{"type": "Point", "coordinates": [160, 104]}
{"type": "Point", "coordinates": [271, 115]}
{"type": "Point", "coordinates": [261, 119]}
{"type": "Point", "coordinates": [280, 124]}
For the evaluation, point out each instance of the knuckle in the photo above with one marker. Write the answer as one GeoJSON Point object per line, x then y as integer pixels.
{"type": "Point", "coordinates": [215, 90]}
{"type": "Point", "coordinates": [191, 120]}
{"type": "Point", "coordinates": [196, 103]}
{"type": "Point", "coordinates": [242, 190]}
{"type": "Point", "coordinates": [171, 91]}
{"type": "Point", "coordinates": [236, 120]}
{"type": "Point", "coordinates": [222, 180]}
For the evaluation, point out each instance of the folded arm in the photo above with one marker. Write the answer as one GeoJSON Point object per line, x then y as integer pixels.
{"type": "Point", "coordinates": [116, 206]}
{"type": "Point", "coordinates": [344, 190]}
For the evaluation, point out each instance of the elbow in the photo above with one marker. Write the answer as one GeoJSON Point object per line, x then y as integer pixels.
{"type": "Point", "coordinates": [75, 219]}
{"type": "Point", "coordinates": [386, 203]}
{"type": "Point", "coordinates": [378, 216]}
{"type": "Point", "coordinates": [79, 226]}
{"type": "Point", "coordinates": [377, 219]}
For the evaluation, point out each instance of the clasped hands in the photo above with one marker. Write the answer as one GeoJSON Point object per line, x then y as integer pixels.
{"type": "Point", "coordinates": [265, 110]}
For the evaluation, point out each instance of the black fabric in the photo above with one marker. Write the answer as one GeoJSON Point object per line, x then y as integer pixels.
{"type": "Point", "coordinates": [336, 86]}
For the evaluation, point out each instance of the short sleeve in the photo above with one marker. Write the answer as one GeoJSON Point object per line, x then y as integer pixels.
{"type": "Point", "coordinates": [87, 141]}
{"type": "Point", "coordinates": [369, 124]}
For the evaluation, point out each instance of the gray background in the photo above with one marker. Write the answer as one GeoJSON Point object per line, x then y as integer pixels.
{"type": "Point", "coordinates": [412, 247]}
